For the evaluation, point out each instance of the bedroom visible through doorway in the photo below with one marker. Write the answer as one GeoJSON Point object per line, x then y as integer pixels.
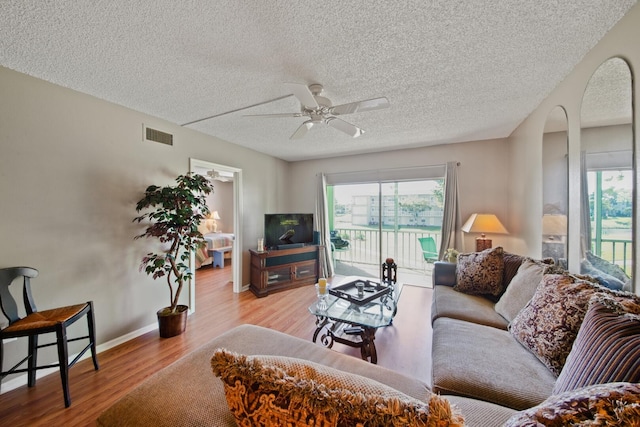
{"type": "Point", "coordinates": [222, 230]}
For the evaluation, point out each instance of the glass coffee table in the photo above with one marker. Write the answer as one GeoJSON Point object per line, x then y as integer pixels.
{"type": "Point", "coordinates": [353, 319]}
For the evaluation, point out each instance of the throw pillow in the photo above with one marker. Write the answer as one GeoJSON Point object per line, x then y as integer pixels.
{"type": "Point", "coordinates": [607, 348]}
{"type": "Point", "coordinates": [273, 390]}
{"type": "Point", "coordinates": [549, 323]}
{"type": "Point", "coordinates": [603, 278]}
{"type": "Point", "coordinates": [512, 263]}
{"type": "Point", "coordinates": [608, 267]}
{"type": "Point", "coordinates": [613, 404]}
{"type": "Point", "coordinates": [480, 273]}
{"type": "Point", "coordinates": [521, 289]}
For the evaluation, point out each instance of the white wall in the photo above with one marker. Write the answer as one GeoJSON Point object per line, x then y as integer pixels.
{"type": "Point", "coordinates": [72, 168]}
{"type": "Point", "coordinates": [526, 142]}
{"type": "Point", "coordinates": [483, 179]}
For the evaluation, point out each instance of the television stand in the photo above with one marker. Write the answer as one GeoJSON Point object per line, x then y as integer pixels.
{"type": "Point", "coordinates": [282, 269]}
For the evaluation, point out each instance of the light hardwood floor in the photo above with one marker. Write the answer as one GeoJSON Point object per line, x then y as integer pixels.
{"type": "Point", "coordinates": [405, 347]}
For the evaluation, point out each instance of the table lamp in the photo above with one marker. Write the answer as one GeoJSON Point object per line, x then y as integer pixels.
{"type": "Point", "coordinates": [483, 223]}
{"type": "Point", "coordinates": [214, 216]}
{"type": "Point", "coordinates": [554, 225]}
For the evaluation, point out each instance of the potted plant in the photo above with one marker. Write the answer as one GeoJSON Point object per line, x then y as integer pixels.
{"type": "Point", "coordinates": [174, 213]}
{"type": "Point", "coordinates": [451, 255]}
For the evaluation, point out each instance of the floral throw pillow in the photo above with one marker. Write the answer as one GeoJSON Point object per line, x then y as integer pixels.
{"type": "Point", "coordinates": [480, 273]}
{"type": "Point", "coordinates": [281, 391]}
{"type": "Point", "coordinates": [549, 323]}
{"type": "Point", "coordinates": [612, 404]}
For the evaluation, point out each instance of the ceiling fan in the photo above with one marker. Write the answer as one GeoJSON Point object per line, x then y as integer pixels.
{"type": "Point", "coordinates": [321, 111]}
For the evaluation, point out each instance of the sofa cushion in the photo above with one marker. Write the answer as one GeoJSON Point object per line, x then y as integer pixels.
{"type": "Point", "coordinates": [607, 348]}
{"type": "Point", "coordinates": [549, 323]}
{"type": "Point", "coordinates": [612, 404]}
{"type": "Point", "coordinates": [446, 302]}
{"type": "Point", "coordinates": [480, 273]}
{"type": "Point", "coordinates": [478, 413]}
{"type": "Point", "coordinates": [268, 390]}
{"type": "Point", "coordinates": [486, 363]}
{"type": "Point", "coordinates": [174, 396]}
{"type": "Point", "coordinates": [522, 287]}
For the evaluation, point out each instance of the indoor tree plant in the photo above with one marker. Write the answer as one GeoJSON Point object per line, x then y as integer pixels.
{"type": "Point", "coordinates": [174, 213]}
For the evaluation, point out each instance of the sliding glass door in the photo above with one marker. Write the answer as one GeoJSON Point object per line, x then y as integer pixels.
{"type": "Point", "coordinates": [371, 222]}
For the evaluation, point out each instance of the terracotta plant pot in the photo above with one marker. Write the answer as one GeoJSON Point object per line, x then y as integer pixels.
{"type": "Point", "coordinates": [172, 324]}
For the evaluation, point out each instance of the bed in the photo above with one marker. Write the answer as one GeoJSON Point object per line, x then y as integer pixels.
{"type": "Point", "coordinates": [213, 252]}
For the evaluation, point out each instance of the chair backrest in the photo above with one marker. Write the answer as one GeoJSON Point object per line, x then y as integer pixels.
{"type": "Point", "coordinates": [7, 302]}
{"type": "Point", "coordinates": [428, 245]}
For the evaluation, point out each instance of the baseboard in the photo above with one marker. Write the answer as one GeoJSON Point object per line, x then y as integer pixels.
{"type": "Point", "coordinates": [22, 379]}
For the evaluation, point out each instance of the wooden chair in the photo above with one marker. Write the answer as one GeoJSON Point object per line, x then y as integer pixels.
{"type": "Point", "coordinates": [35, 323]}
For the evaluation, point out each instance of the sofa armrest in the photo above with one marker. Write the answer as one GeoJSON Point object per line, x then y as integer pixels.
{"type": "Point", "coordinates": [444, 273]}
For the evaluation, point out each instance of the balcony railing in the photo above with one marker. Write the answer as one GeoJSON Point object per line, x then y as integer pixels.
{"type": "Point", "coordinates": [619, 252]}
{"type": "Point", "coordinates": [402, 246]}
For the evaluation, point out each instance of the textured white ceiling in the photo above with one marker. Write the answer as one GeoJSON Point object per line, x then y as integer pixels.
{"type": "Point", "coordinates": [452, 70]}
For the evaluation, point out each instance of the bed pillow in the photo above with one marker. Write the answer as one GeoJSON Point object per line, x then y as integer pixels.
{"type": "Point", "coordinates": [607, 348]}
{"type": "Point", "coordinates": [275, 390]}
{"type": "Point", "coordinates": [480, 273]}
{"type": "Point", "coordinates": [613, 404]}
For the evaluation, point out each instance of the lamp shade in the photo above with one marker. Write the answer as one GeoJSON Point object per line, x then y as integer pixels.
{"type": "Point", "coordinates": [484, 223]}
{"type": "Point", "coordinates": [554, 225]}
{"type": "Point", "coordinates": [215, 215]}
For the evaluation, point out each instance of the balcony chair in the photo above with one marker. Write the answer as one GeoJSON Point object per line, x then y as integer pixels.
{"type": "Point", "coordinates": [35, 323]}
{"type": "Point", "coordinates": [338, 244]}
{"type": "Point", "coordinates": [429, 251]}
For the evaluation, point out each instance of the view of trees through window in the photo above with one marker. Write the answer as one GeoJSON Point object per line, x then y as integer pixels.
{"type": "Point", "coordinates": [611, 208]}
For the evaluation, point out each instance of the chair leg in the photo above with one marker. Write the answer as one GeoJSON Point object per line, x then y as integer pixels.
{"type": "Point", "coordinates": [63, 358]}
{"type": "Point", "coordinates": [32, 363]}
{"type": "Point", "coordinates": [92, 335]}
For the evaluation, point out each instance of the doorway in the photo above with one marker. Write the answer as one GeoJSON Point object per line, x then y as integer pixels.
{"type": "Point", "coordinates": [234, 175]}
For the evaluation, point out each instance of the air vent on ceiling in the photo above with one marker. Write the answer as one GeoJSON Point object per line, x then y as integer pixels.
{"type": "Point", "coordinates": [157, 136]}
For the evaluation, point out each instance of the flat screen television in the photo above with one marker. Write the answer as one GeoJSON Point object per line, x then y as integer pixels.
{"type": "Point", "coordinates": [287, 228]}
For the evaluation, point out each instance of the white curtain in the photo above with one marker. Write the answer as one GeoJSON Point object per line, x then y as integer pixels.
{"type": "Point", "coordinates": [451, 223]}
{"type": "Point", "coordinates": [322, 227]}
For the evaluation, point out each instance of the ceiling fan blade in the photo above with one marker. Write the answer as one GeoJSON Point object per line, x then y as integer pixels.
{"type": "Point", "coordinates": [302, 130]}
{"type": "Point", "coordinates": [345, 127]}
{"type": "Point", "coordinates": [356, 107]}
{"type": "Point", "coordinates": [303, 94]}
{"type": "Point", "coordinates": [274, 115]}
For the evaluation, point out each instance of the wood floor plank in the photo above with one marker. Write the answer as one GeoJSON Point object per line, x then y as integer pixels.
{"type": "Point", "coordinates": [405, 347]}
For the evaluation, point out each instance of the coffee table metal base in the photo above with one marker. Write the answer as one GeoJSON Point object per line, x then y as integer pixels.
{"type": "Point", "coordinates": [360, 336]}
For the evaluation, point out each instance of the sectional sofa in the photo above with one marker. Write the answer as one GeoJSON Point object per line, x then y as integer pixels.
{"type": "Point", "coordinates": [509, 330]}
{"type": "Point", "coordinates": [483, 374]}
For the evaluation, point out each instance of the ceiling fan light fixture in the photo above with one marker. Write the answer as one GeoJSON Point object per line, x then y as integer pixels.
{"type": "Point", "coordinates": [321, 110]}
